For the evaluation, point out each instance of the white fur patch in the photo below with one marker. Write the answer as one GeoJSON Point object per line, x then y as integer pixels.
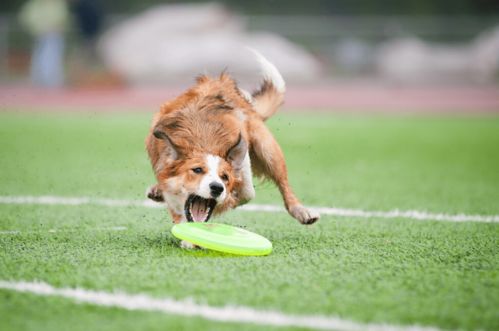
{"type": "Point", "coordinates": [187, 245]}
{"type": "Point", "coordinates": [240, 115]}
{"type": "Point", "coordinates": [270, 72]}
{"type": "Point", "coordinates": [175, 197]}
{"type": "Point", "coordinates": [246, 95]}
{"type": "Point", "coordinates": [247, 190]}
{"type": "Point", "coordinates": [212, 163]}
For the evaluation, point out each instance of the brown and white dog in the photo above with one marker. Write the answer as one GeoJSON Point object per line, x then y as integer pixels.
{"type": "Point", "coordinates": [206, 144]}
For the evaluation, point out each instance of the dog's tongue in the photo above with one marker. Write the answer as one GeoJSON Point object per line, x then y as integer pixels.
{"type": "Point", "coordinates": [199, 210]}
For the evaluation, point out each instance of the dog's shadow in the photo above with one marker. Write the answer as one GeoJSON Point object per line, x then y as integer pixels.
{"type": "Point", "coordinates": [168, 244]}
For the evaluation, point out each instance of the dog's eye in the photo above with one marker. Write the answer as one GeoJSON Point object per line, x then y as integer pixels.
{"type": "Point", "coordinates": [225, 177]}
{"type": "Point", "coordinates": [197, 170]}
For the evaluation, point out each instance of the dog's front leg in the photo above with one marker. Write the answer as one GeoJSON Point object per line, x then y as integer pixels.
{"type": "Point", "coordinates": [268, 159]}
{"type": "Point", "coordinates": [180, 218]}
{"type": "Point", "coordinates": [156, 194]}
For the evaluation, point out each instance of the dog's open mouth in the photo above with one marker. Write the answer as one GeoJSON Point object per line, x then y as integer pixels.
{"type": "Point", "coordinates": [198, 209]}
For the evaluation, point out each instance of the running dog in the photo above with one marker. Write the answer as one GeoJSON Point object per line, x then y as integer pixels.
{"type": "Point", "coordinates": [206, 144]}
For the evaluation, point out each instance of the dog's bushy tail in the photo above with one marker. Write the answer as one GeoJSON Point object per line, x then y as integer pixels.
{"type": "Point", "coordinates": [267, 99]}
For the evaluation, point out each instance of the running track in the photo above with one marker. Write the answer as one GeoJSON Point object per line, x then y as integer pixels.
{"type": "Point", "coordinates": [349, 97]}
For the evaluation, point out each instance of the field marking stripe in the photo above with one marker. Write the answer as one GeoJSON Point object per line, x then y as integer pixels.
{"type": "Point", "coordinates": [110, 228]}
{"type": "Point", "coordinates": [409, 214]}
{"type": "Point", "coordinates": [235, 314]}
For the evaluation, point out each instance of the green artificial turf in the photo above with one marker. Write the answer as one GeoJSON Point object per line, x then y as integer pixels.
{"type": "Point", "coordinates": [395, 271]}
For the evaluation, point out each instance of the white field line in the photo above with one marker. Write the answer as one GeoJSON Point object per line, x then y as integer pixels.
{"type": "Point", "coordinates": [111, 228]}
{"type": "Point", "coordinates": [409, 214]}
{"type": "Point", "coordinates": [235, 314]}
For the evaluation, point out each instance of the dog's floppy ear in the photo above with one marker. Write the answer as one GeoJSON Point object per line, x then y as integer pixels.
{"type": "Point", "coordinates": [160, 133]}
{"type": "Point", "coordinates": [237, 153]}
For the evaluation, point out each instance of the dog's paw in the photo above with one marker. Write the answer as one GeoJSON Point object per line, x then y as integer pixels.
{"type": "Point", "coordinates": [304, 215]}
{"type": "Point", "coordinates": [187, 245]}
{"type": "Point", "coordinates": [155, 194]}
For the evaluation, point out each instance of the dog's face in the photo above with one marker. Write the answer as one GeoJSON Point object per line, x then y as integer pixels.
{"type": "Point", "coordinates": [197, 183]}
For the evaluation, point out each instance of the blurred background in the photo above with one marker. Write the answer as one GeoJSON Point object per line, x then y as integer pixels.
{"type": "Point", "coordinates": [420, 54]}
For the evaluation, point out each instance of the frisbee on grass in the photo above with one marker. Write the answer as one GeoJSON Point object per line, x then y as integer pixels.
{"type": "Point", "coordinates": [223, 238]}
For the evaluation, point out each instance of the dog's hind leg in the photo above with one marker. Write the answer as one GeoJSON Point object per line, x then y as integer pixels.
{"type": "Point", "coordinates": [268, 160]}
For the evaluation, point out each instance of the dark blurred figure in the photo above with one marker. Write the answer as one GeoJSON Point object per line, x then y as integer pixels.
{"type": "Point", "coordinates": [88, 17]}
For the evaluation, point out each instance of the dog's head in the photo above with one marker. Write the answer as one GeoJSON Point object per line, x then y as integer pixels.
{"type": "Point", "coordinates": [202, 151]}
{"type": "Point", "coordinates": [200, 182]}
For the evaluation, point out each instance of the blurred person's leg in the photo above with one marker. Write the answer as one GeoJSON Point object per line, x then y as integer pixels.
{"type": "Point", "coordinates": [37, 62]}
{"type": "Point", "coordinates": [48, 61]}
{"type": "Point", "coordinates": [88, 53]}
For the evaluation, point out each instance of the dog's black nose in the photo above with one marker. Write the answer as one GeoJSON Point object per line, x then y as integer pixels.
{"type": "Point", "coordinates": [216, 189]}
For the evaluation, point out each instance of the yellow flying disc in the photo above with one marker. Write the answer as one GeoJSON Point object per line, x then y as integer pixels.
{"type": "Point", "coordinates": [223, 238]}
